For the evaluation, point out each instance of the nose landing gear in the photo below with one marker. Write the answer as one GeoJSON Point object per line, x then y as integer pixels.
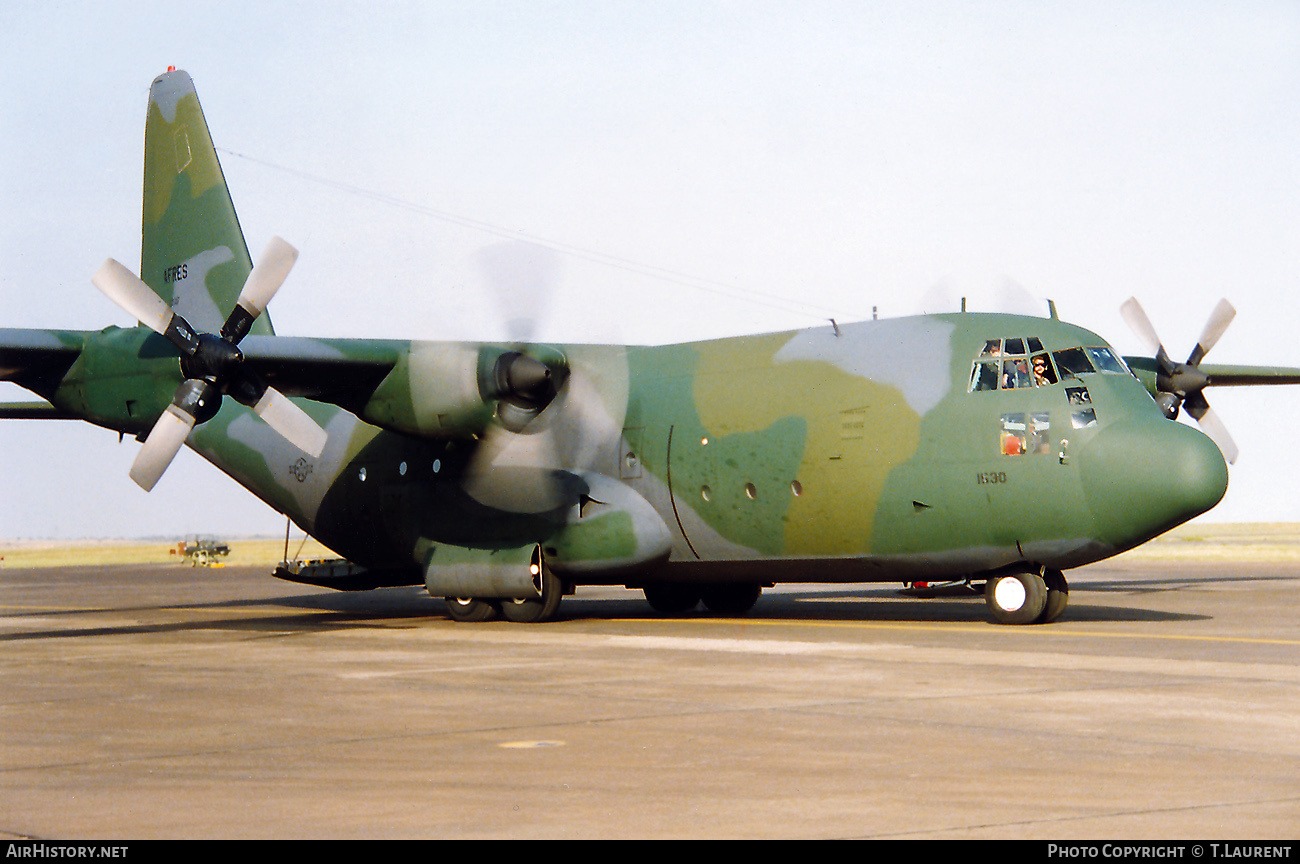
{"type": "Point", "coordinates": [1027, 596]}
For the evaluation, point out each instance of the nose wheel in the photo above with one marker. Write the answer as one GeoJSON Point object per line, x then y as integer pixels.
{"type": "Point", "coordinates": [1027, 596]}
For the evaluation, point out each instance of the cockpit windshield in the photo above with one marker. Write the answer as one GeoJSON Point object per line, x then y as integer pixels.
{"type": "Point", "coordinates": [1020, 362]}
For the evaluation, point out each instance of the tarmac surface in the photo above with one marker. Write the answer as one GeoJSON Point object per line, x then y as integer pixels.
{"type": "Point", "coordinates": [167, 702]}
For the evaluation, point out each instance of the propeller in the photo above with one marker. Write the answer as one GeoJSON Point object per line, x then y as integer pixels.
{"type": "Point", "coordinates": [1183, 384]}
{"type": "Point", "coordinates": [213, 364]}
{"type": "Point", "coordinates": [522, 278]}
{"type": "Point", "coordinates": [531, 458]}
{"type": "Point", "coordinates": [558, 412]}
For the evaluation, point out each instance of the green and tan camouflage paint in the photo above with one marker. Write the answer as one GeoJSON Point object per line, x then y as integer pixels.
{"type": "Point", "coordinates": [849, 453]}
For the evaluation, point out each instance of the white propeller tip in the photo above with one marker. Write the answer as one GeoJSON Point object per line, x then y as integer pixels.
{"type": "Point", "coordinates": [295, 424]}
{"type": "Point", "coordinates": [131, 294]}
{"type": "Point", "coordinates": [160, 448]}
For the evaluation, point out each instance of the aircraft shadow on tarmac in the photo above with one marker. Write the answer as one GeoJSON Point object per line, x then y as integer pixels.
{"type": "Point", "coordinates": [383, 607]}
{"type": "Point", "coordinates": [386, 608]}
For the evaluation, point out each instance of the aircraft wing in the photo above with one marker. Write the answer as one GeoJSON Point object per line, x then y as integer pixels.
{"type": "Point", "coordinates": [340, 371]}
{"type": "Point", "coordinates": [1222, 375]}
{"type": "Point", "coordinates": [368, 377]}
{"type": "Point", "coordinates": [1240, 376]}
{"type": "Point", "coordinates": [343, 372]}
{"type": "Point", "coordinates": [37, 360]}
{"type": "Point", "coordinates": [34, 411]}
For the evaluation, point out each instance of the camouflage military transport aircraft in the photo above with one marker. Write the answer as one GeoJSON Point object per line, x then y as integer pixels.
{"type": "Point", "coordinates": [993, 449]}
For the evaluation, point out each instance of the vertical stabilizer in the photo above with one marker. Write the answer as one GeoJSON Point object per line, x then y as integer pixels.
{"type": "Point", "coordinates": [192, 251]}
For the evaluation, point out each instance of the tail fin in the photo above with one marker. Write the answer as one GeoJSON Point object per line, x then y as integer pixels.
{"type": "Point", "coordinates": [192, 252]}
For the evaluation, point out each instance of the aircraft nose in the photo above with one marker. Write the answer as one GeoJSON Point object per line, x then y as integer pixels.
{"type": "Point", "coordinates": [1143, 478]}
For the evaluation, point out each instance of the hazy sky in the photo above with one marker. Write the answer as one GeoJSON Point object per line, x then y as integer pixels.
{"type": "Point", "coordinates": [700, 169]}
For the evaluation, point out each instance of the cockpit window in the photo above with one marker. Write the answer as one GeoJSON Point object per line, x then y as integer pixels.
{"type": "Point", "coordinates": [1022, 362]}
{"type": "Point", "coordinates": [1083, 418]}
{"type": "Point", "coordinates": [1015, 373]}
{"type": "Point", "coordinates": [1072, 361]}
{"type": "Point", "coordinates": [1012, 439]}
{"type": "Point", "coordinates": [1106, 361]}
{"type": "Point", "coordinates": [1021, 434]}
{"type": "Point", "coordinates": [984, 376]}
{"type": "Point", "coordinates": [1018, 370]}
{"type": "Point", "coordinates": [1041, 366]}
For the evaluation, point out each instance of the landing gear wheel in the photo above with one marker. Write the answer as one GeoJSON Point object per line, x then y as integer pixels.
{"type": "Point", "coordinates": [1016, 598]}
{"type": "Point", "coordinates": [536, 609]}
{"type": "Point", "coordinates": [471, 609]}
{"type": "Point", "coordinates": [670, 598]}
{"type": "Point", "coordinates": [1058, 596]}
{"type": "Point", "coordinates": [733, 598]}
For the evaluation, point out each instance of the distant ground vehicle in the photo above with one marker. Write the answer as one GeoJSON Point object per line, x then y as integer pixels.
{"type": "Point", "coordinates": [201, 551]}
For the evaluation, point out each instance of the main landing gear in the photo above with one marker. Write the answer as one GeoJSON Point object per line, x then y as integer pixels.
{"type": "Point", "coordinates": [1027, 596]}
{"type": "Point", "coordinates": [724, 598]}
{"type": "Point", "coordinates": [550, 590]}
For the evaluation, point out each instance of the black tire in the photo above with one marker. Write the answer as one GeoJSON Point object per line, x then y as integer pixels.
{"type": "Point", "coordinates": [471, 609]}
{"type": "Point", "coordinates": [1058, 596]}
{"type": "Point", "coordinates": [536, 609]}
{"type": "Point", "coordinates": [671, 598]}
{"type": "Point", "coordinates": [731, 598]}
{"type": "Point", "coordinates": [1016, 598]}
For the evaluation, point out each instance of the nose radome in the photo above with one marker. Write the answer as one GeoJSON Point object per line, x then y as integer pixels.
{"type": "Point", "coordinates": [1144, 477]}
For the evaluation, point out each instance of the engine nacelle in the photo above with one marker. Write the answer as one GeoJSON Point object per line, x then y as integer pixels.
{"type": "Point", "coordinates": [434, 391]}
{"type": "Point", "coordinates": [612, 532]}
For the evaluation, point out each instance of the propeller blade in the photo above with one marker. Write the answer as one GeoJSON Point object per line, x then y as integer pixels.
{"type": "Point", "coordinates": [267, 276]}
{"type": "Point", "coordinates": [1140, 324]}
{"type": "Point", "coordinates": [535, 468]}
{"type": "Point", "coordinates": [594, 400]}
{"type": "Point", "coordinates": [297, 427]}
{"type": "Point", "coordinates": [1220, 318]}
{"type": "Point", "coordinates": [517, 472]}
{"type": "Point", "coordinates": [132, 295]}
{"type": "Point", "coordinates": [160, 448]}
{"type": "Point", "coordinates": [1212, 426]}
{"type": "Point", "coordinates": [522, 277]}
